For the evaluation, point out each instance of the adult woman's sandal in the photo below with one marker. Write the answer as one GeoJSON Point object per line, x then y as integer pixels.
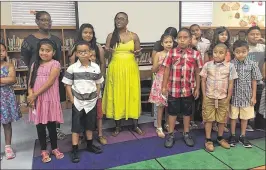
{"type": "Point", "coordinates": [117, 131]}
{"type": "Point", "coordinates": [139, 131]}
{"type": "Point", "coordinates": [45, 156]}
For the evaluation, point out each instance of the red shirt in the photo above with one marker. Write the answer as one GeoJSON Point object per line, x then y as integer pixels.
{"type": "Point", "coordinates": [182, 70]}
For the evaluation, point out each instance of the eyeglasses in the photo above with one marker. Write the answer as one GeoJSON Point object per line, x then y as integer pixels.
{"type": "Point", "coordinates": [45, 20]}
{"type": "Point", "coordinates": [83, 52]}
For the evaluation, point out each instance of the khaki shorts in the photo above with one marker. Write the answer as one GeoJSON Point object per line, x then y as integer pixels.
{"type": "Point", "coordinates": [211, 114]}
{"type": "Point", "coordinates": [244, 113]}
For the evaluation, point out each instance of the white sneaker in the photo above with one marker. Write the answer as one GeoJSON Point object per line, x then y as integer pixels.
{"type": "Point", "coordinates": [249, 129]}
{"type": "Point", "coordinates": [177, 123]}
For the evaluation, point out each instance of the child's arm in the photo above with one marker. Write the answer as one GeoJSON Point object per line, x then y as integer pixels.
{"type": "Point", "coordinates": [254, 93]}
{"type": "Point", "coordinates": [264, 71]}
{"type": "Point", "coordinates": [155, 63]}
{"type": "Point", "coordinates": [69, 93]}
{"type": "Point", "coordinates": [197, 72]}
{"type": "Point", "coordinates": [98, 86]}
{"type": "Point", "coordinates": [11, 78]}
{"type": "Point", "coordinates": [232, 76]}
{"type": "Point", "coordinates": [203, 75]}
{"type": "Point", "coordinates": [167, 64]}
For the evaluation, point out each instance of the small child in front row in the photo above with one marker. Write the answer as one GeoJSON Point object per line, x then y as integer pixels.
{"type": "Point", "coordinates": [102, 139]}
{"type": "Point", "coordinates": [156, 90]}
{"type": "Point", "coordinates": [10, 110]}
{"type": "Point", "coordinates": [83, 80]}
{"type": "Point", "coordinates": [217, 86]}
{"type": "Point", "coordinates": [244, 92]}
{"type": "Point", "coordinates": [44, 99]}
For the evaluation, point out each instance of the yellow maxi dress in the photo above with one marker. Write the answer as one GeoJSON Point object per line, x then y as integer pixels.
{"type": "Point", "coordinates": [122, 94]}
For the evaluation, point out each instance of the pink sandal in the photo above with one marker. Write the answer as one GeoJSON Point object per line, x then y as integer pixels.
{"type": "Point", "coordinates": [45, 156]}
{"type": "Point", "coordinates": [9, 152]}
{"type": "Point", "coordinates": [57, 154]}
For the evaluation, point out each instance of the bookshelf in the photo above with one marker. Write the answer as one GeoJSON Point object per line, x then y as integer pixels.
{"type": "Point", "coordinates": [13, 37]}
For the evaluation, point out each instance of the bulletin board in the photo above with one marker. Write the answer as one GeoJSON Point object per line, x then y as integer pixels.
{"type": "Point", "coordinates": [239, 14]}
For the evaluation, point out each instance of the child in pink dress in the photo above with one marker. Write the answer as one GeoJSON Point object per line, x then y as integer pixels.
{"type": "Point", "coordinates": [156, 96]}
{"type": "Point", "coordinates": [44, 97]}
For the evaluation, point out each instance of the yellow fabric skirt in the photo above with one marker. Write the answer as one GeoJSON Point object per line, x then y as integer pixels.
{"type": "Point", "coordinates": [122, 93]}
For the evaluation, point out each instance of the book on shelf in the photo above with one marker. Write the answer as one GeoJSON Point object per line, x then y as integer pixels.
{"type": "Point", "coordinates": [18, 63]}
{"type": "Point", "coordinates": [21, 99]}
{"type": "Point", "coordinates": [145, 58]}
{"type": "Point", "coordinates": [21, 82]}
{"type": "Point", "coordinates": [14, 43]}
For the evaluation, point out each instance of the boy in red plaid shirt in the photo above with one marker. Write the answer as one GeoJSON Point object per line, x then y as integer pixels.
{"type": "Point", "coordinates": [182, 66]}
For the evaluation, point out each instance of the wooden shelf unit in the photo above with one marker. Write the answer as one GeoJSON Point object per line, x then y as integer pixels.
{"type": "Point", "coordinates": [67, 32]}
{"type": "Point", "coordinates": [21, 32]}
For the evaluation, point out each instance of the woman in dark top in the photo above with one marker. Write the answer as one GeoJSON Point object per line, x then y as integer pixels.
{"type": "Point", "coordinates": [29, 50]}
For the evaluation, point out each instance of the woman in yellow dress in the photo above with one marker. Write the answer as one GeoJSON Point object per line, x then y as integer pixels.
{"type": "Point", "coordinates": [122, 94]}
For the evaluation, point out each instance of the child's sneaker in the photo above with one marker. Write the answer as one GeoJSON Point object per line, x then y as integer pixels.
{"type": "Point", "coordinates": [209, 146]}
{"type": "Point", "coordinates": [249, 128]}
{"type": "Point", "coordinates": [244, 141]}
{"type": "Point", "coordinates": [232, 141]}
{"type": "Point", "coordinates": [9, 152]}
{"type": "Point", "coordinates": [223, 143]}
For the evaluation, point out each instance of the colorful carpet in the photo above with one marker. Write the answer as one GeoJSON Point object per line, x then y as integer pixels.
{"type": "Point", "coordinates": [131, 151]}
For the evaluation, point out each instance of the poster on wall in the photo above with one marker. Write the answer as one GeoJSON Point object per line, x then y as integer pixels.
{"type": "Point", "coordinates": [244, 14]}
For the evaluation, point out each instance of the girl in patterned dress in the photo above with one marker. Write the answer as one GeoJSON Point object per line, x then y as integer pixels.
{"type": "Point", "coordinates": [44, 97]}
{"type": "Point", "coordinates": [156, 96]}
{"type": "Point", "coordinates": [10, 111]}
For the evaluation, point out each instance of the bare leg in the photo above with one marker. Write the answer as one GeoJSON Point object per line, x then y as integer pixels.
{"type": "Point", "coordinates": [8, 133]}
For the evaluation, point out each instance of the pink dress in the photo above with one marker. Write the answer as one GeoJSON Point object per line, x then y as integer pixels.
{"type": "Point", "coordinates": [48, 107]}
{"type": "Point", "coordinates": [156, 89]}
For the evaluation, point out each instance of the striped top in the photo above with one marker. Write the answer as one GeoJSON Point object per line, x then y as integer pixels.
{"type": "Point", "coordinates": [83, 81]}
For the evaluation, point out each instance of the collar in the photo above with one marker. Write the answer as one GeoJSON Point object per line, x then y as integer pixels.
{"type": "Point", "coordinates": [222, 63]}
{"type": "Point", "coordinates": [245, 61]}
{"type": "Point", "coordinates": [187, 50]}
{"type": "Point", "coordinates": [78, 63]}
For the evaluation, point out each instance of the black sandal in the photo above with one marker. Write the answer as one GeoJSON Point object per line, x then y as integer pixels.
{"type": "Point", "coordinates": [116, 132]}
{"type": "Point", "coordinates": [139, 131]}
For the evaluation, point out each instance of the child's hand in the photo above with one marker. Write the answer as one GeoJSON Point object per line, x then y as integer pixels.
{"type": "Point", "coordinates": [253, 101]}
{"type": "Point", "coordinates": [196, 94]}
{"type": "Point", "coordinates": [261, 40]}
{"type": "Point", "coordinates": [31, 98]}
{"type": "Point", "coordinates": [164, 92]}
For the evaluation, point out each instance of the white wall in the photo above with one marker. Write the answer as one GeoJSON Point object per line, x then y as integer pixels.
{"type": "Point", "coordinates": [147, 19]}
{"type": "Point", "coordinates": [6, 18]}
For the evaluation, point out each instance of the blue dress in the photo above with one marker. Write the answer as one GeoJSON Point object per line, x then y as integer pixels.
{"type": "Point", "coordinates": [10, 110]}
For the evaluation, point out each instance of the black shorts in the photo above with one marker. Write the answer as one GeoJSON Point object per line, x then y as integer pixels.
{"type": "Point", "coordinates": [180, 106]}
{"type": "Point", "coordinates": [82, 121]}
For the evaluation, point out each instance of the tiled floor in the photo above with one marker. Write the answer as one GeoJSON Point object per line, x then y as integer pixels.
{"type": "Point", "coordinates": [24, 135]}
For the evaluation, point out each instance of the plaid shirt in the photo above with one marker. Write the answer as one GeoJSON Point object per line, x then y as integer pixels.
{"type": "Point", "coordinates": [247, 71]}
{"type": "Point", "coordinates": [218, 76]}
{"type": "Point", "coordinates": [182, 65]}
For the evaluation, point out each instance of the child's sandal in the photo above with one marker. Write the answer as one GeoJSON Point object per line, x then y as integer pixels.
{"type": "Point", "coordinates": [9, 152]}
{"type": "Point", "coordinates": [57, 154]}
{"type": "Point", "coordinates": [45, 156]}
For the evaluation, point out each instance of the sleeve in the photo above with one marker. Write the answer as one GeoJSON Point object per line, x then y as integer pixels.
{"type": "Point", "coordinates": [233, 74]}
{"type": "Point", "coordinates": [168, 59]}
{"type": "Point", "coordinates": [69, 76]}
{"type": "Point", "coordinates": [204, 71]}
{"type": "Point", "coordinates": [157, 46]}
{"type": "Point", "coordinates": [255, 72]}
{"type": "Point", "coordinates": [100, 78]}
{"type": "Point", "coordinates": [199, 59]}
{"type": "Point", "coordinates": [56, 64]}
{"type": "Point", "coordinates": [26, 52]}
